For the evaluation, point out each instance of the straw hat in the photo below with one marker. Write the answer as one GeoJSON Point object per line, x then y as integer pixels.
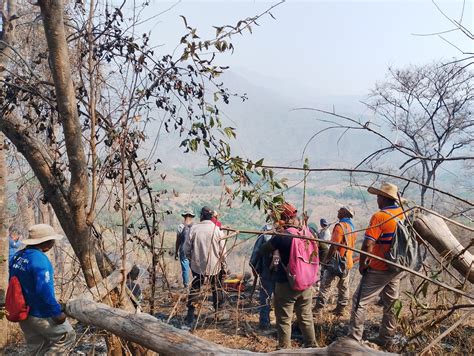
{"type": "Point", "coordinates": [348, 208]}
{"type": "Point", "coordinates": [40, 233]}
{"type": "Point", "coordinates": [387, 190]}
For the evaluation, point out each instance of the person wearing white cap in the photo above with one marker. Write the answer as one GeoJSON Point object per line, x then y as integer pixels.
{"type": "Point", "coordinates": [182, 235]}
{"type": "Point", "coordinates": [338, 262]}
{"type": "Point", "coordinates": [377, 279]}
{"type": "Point", "coordinates": [46, 329]}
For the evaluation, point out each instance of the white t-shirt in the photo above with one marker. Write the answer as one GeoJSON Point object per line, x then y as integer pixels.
{"type": "Point", "coordinates": [324, 234]}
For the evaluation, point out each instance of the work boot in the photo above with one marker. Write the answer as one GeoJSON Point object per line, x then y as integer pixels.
{"type": "Point", "coordinates": [190, 318]}
{"type": "Point", "coordinates": [339, 310]}
{"type": "Point", "coordinates": [385, 345]}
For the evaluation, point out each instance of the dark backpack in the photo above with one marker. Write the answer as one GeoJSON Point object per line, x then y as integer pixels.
{"type": "Point", "coordinates": [15, 304]}
{"type": "Point", "coordinates": [184, 236]}
{"type": "Point", "coordinates": [404, 249]}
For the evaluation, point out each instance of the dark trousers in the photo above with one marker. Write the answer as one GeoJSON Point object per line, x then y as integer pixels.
{"type": "Point", "coordinates": [265, 298]}
{"type": "Point", "coordinates": [195, 294]}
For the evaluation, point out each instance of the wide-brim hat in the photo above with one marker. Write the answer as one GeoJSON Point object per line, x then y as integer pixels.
{"type": "Point", "coordinates": [188, 213]}
{"type": "Point", "coordinates": [348, 208]}
{"type": "Point", "coordinates": [41, 233]}
{"type": "Point", "coordinates": [387, 190]}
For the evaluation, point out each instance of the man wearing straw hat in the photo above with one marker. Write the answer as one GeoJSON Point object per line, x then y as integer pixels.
{"type": "Point", "coordinates": [376, 276]}
{"type": "Point", "coordinates": [46, 329]}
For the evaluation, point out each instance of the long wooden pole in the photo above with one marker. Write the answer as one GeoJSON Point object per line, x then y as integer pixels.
{"type": "Point", "coordinates": [406, 269]}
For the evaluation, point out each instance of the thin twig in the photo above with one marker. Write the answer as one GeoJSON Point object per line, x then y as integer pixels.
{"type": "Point", "coordinates": [446, 332]}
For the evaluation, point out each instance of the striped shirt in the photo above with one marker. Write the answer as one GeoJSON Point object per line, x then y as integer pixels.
{"type": "Point", "coordinates": [381, 229]}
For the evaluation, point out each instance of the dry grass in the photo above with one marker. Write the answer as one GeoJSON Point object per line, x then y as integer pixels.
{"type": "Point", "coordinates": [239, 330]}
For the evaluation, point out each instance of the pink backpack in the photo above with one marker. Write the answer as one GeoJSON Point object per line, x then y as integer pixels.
{"type": "Point", "coordinates": [302, 269]}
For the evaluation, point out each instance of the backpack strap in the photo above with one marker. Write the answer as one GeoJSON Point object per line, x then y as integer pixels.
{"type": "Point", "coordinates": [289, 229]}
{"type": "Point", "coordinates": [397, 219]}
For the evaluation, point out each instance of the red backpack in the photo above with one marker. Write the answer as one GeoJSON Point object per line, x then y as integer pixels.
{"type": "Point", "coordinates": [15, 303]}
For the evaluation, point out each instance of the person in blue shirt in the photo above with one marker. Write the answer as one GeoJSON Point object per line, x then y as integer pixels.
{"type": "Point", "coordinates": [46, 329]}
{"type": "Point", "coordinates": [13, 242]}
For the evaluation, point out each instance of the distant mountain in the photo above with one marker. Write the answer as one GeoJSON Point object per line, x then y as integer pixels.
{"type": "Point", "coordinates": [268, 126]}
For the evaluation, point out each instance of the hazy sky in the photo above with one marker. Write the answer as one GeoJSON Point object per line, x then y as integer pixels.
{"type": "Point", "coordinates": [330, 47]}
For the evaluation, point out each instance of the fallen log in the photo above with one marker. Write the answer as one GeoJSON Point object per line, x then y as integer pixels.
{"type": "Point", "coordinates": [160, 337]}
{"type": "Point", "coordinates": [434, 230]}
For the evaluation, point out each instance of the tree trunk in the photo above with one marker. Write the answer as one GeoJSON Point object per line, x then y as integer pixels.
{"type": "Point", "coordinates": [434, 230]}
{"type": "Point", "coordinates": [73, 221]}
{"type": "Point", "coordinates": [26, 211]}
{"type": "Point", "coordinates": [3, 241]}
{"type": "Point", "coordinates": [7, 37]}
{"type": "Point", "coordinates": [427, 181]}
{"type": "Point", "coordinates": [52, 217]}
{"type": "Point", "coordinates": [157, 336]}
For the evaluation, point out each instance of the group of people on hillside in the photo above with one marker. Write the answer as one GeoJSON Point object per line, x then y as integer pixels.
{"type": "Point", "coordinates": [201, 248]}
{"type": "Point", "coordinates": [202, 245]}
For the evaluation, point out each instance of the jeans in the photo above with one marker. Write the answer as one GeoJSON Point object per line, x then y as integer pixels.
{"type": "Point", "coordinates": [265, 299]}
{"type": "Point", "coordinates": [185, 269]}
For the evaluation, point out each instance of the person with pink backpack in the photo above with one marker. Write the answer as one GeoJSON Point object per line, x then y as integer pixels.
{"type": "Point", "coordinates": [296, 273]}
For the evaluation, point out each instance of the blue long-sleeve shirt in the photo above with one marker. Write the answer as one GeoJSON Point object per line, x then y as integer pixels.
{"type": "Point", "coordinates": [13, 246]}
{"type": "Point", "coordinates": [35, 273]}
